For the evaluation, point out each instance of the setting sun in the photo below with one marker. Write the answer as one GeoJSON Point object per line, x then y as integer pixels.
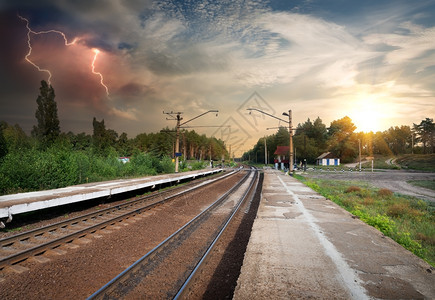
{"type": "Point", "coordinates": [369, 113]}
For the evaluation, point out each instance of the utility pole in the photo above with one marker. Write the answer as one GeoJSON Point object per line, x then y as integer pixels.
{"type": "Point", "coordinates": [290, 129]}
{"type": "Point", "coordinates": [177, 141]}
{"type": "Point", "coordinates": [265, 151]}
{"type": "Point", "coordinates": [359, 151]}
{"type": "Point", "coordinates": [178, 118]}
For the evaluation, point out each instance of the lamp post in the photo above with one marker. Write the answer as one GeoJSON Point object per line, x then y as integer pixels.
{"type": "Point", "coordinates": [179, 124]}
{"type": "Point", "coordinates": [290, 129]}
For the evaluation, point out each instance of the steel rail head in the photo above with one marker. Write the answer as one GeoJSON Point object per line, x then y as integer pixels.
{"type": "Point", "coordinates": [22, 255]}
{"type": "Point", "coordinates": [110, 286]}
{"type": "Point", "coordinates": [184, 289]}
{"type": "Point", "coordinates": [34, 232]}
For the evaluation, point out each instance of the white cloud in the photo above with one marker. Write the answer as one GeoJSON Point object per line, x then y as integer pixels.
{"type": "Point", "coordinates": [214, 54]}
{"type": "Point", "coordinates": [415, 42]}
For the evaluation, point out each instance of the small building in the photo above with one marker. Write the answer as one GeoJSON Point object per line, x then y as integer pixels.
{"type": "Point", "coordinates": [327, 159]}
{"type": "Point", "coordinates": [281, 157]}
{"type": "Point", "coordinates": [124, 159]}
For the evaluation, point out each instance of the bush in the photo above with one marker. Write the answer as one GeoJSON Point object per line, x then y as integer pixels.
{"type": "Point", "coordinates": [142, 164]}
{"type": "Point", "coordinates": [167, 165]}
{"type": "Point", "coordinates": [60, 166]}
{"type": "Point", "coordinates": [380, 222]}
{"type": "Point", "coordinates": [369, 201]}
{"type": "Point", "coordinates": [404, 239]}
{"type": "Point", "coordinates": [425, 238]}
{"type": "Point", "coordinates": [353, 189]}
{"type": "Point", "coordinates": [398, 209]}
{"type": "Point", "coordinates": [385, 193]}
{"type": "Point", "coordinates": [198, 165]}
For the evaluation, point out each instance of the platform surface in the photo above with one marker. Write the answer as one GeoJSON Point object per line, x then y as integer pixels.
{"type": "Point", "coordinates": [26, 202]}
{"type": "Point", "coordinates": [305, 246]}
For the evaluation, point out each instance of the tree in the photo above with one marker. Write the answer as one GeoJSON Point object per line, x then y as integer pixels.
{"type": "Point", "coordinates": [426, 134]}
{"type": "Point", "coordinates": [306, 148]}
{"type": "Point", "coordinates": [82, 141]}
{"type": "Point", "coordinates": [124, 145]}
{"type": "Point", "coordinates": [340, 139]}
{"type": "Point", "coordinates": [398, 139]}
{"type": "Point", "coordinates": [161, 144]}
{"type": "Point", "coordinates": [319, 134]}
{"type": "Point", "coordinates": [3, 146]}
{"type": "Point", "coordinates": [380, 146]}
{"type": "Point", "coordinates": [47, 131]}
{"type": "Point", "coordinates": [310, 139]}
{"type": "Point", "coordinates": [103, 140]}
{"type": "Point", "coordinates": [15, 137]}
{"type": "Point", "coordinates": [141, 142]}
{"type": "Point", "coordinates": [281, 138]}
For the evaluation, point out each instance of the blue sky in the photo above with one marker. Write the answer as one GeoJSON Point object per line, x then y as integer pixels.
{"type": "Point", "coordinates": [373, 61]}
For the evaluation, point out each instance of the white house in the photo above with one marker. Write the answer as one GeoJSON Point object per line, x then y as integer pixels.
{"type": "Point", "coordinates": [327, 159]}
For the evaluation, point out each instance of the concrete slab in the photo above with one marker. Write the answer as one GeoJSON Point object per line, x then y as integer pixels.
{"type": "Point", "coordinates": [305, 246]}
{"type": "Point", "coordinates": [26, 202]}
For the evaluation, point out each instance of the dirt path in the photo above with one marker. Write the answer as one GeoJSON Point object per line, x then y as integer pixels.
{"type": "Point", "coordinates": [394, 180]}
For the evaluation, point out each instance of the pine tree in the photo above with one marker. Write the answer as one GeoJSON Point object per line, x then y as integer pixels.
{"type": "Point", "coordinates": [47, 131]}
{"type": "Point", "coordinates": [99, 139]}
{"type": "Point", "coordinates": [426, 134]}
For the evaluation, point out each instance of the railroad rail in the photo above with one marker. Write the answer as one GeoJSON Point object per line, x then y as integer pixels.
{"type": "Point", "coordinates": [182, 253]}
{"type": "Point", "coordinates": [20, 247]}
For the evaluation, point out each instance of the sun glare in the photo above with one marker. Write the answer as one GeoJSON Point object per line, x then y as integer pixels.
{"type": "Point", "coordinates": [366, 120]}
{"type": "Point", "coordinates": [368, 114]}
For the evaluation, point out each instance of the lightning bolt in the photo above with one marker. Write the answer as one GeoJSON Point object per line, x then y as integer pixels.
{"type": "Point", "coordinates": [96, 51]}
{"type": "Point", "coordinates": [30, 31]}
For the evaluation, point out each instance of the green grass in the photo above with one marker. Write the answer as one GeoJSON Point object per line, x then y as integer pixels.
{"type": "Point", "coordinates": [380, 163]}
{"type": "Point", "coordinates": [407, 220]}
{"type": "Point", "coordinates": [428, 184]}
{"type": "Point", "coordinates": [422, 162]}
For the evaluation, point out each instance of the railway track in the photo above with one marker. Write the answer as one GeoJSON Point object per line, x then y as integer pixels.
{"type": "Point", "coordinates": [169, 269]}
{"type": "Point", "coordinates": [34, 243]}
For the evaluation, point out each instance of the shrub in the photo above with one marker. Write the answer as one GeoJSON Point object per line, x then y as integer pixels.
{"type": "Point", "coordinates": [369, 201]}
{"type": "Point", "coordinates": [60, 166]}
{"type": "Point", "coordinates": [353, 189]}
{"type": "Point", "coordinates": [398, 209]}
{"type": "Point", "coordinates": [348, 203]}
{"type": "Point", "coordinates": [385, 193]}
{"type": "Point", "coordinates": [198, 165]}
{"type": "Point", "coordinates": [425, 238]}
{"type": "Point", "coordinates": [404, 239]}
{"type": "Point", "coordinates": [380, 222]}
{"type": "Point", "coordinates": [167, 165]}
{"type": "Point", "coordinates": [420, 205]}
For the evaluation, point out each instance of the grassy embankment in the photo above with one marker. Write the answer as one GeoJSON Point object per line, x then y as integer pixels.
{"type": "Point", "coordinates": [408, 221]}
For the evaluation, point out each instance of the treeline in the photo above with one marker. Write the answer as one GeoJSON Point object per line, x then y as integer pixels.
{"type": "Point", "coordinates": [311, 139]}
{"type": "Point", "coordinates": [49, 158]}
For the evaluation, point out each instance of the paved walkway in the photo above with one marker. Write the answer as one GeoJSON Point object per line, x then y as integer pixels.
{"type": "Point", "coordinates": [305, 246]}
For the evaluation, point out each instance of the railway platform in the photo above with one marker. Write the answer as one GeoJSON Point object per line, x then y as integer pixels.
{"type": "Point", "coordinates": [305, 246]}
{"type": "Point", "coordinates": [11, 205]}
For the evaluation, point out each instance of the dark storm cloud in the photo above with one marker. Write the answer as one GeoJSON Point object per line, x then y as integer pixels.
{"type": "Point", "coordinates": [134, 89]}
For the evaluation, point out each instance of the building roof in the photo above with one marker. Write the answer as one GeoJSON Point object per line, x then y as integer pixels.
{"type": "Point", "coordinates": [327, 155]}
{"type": "Point", "coordinates": [282, 150]}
